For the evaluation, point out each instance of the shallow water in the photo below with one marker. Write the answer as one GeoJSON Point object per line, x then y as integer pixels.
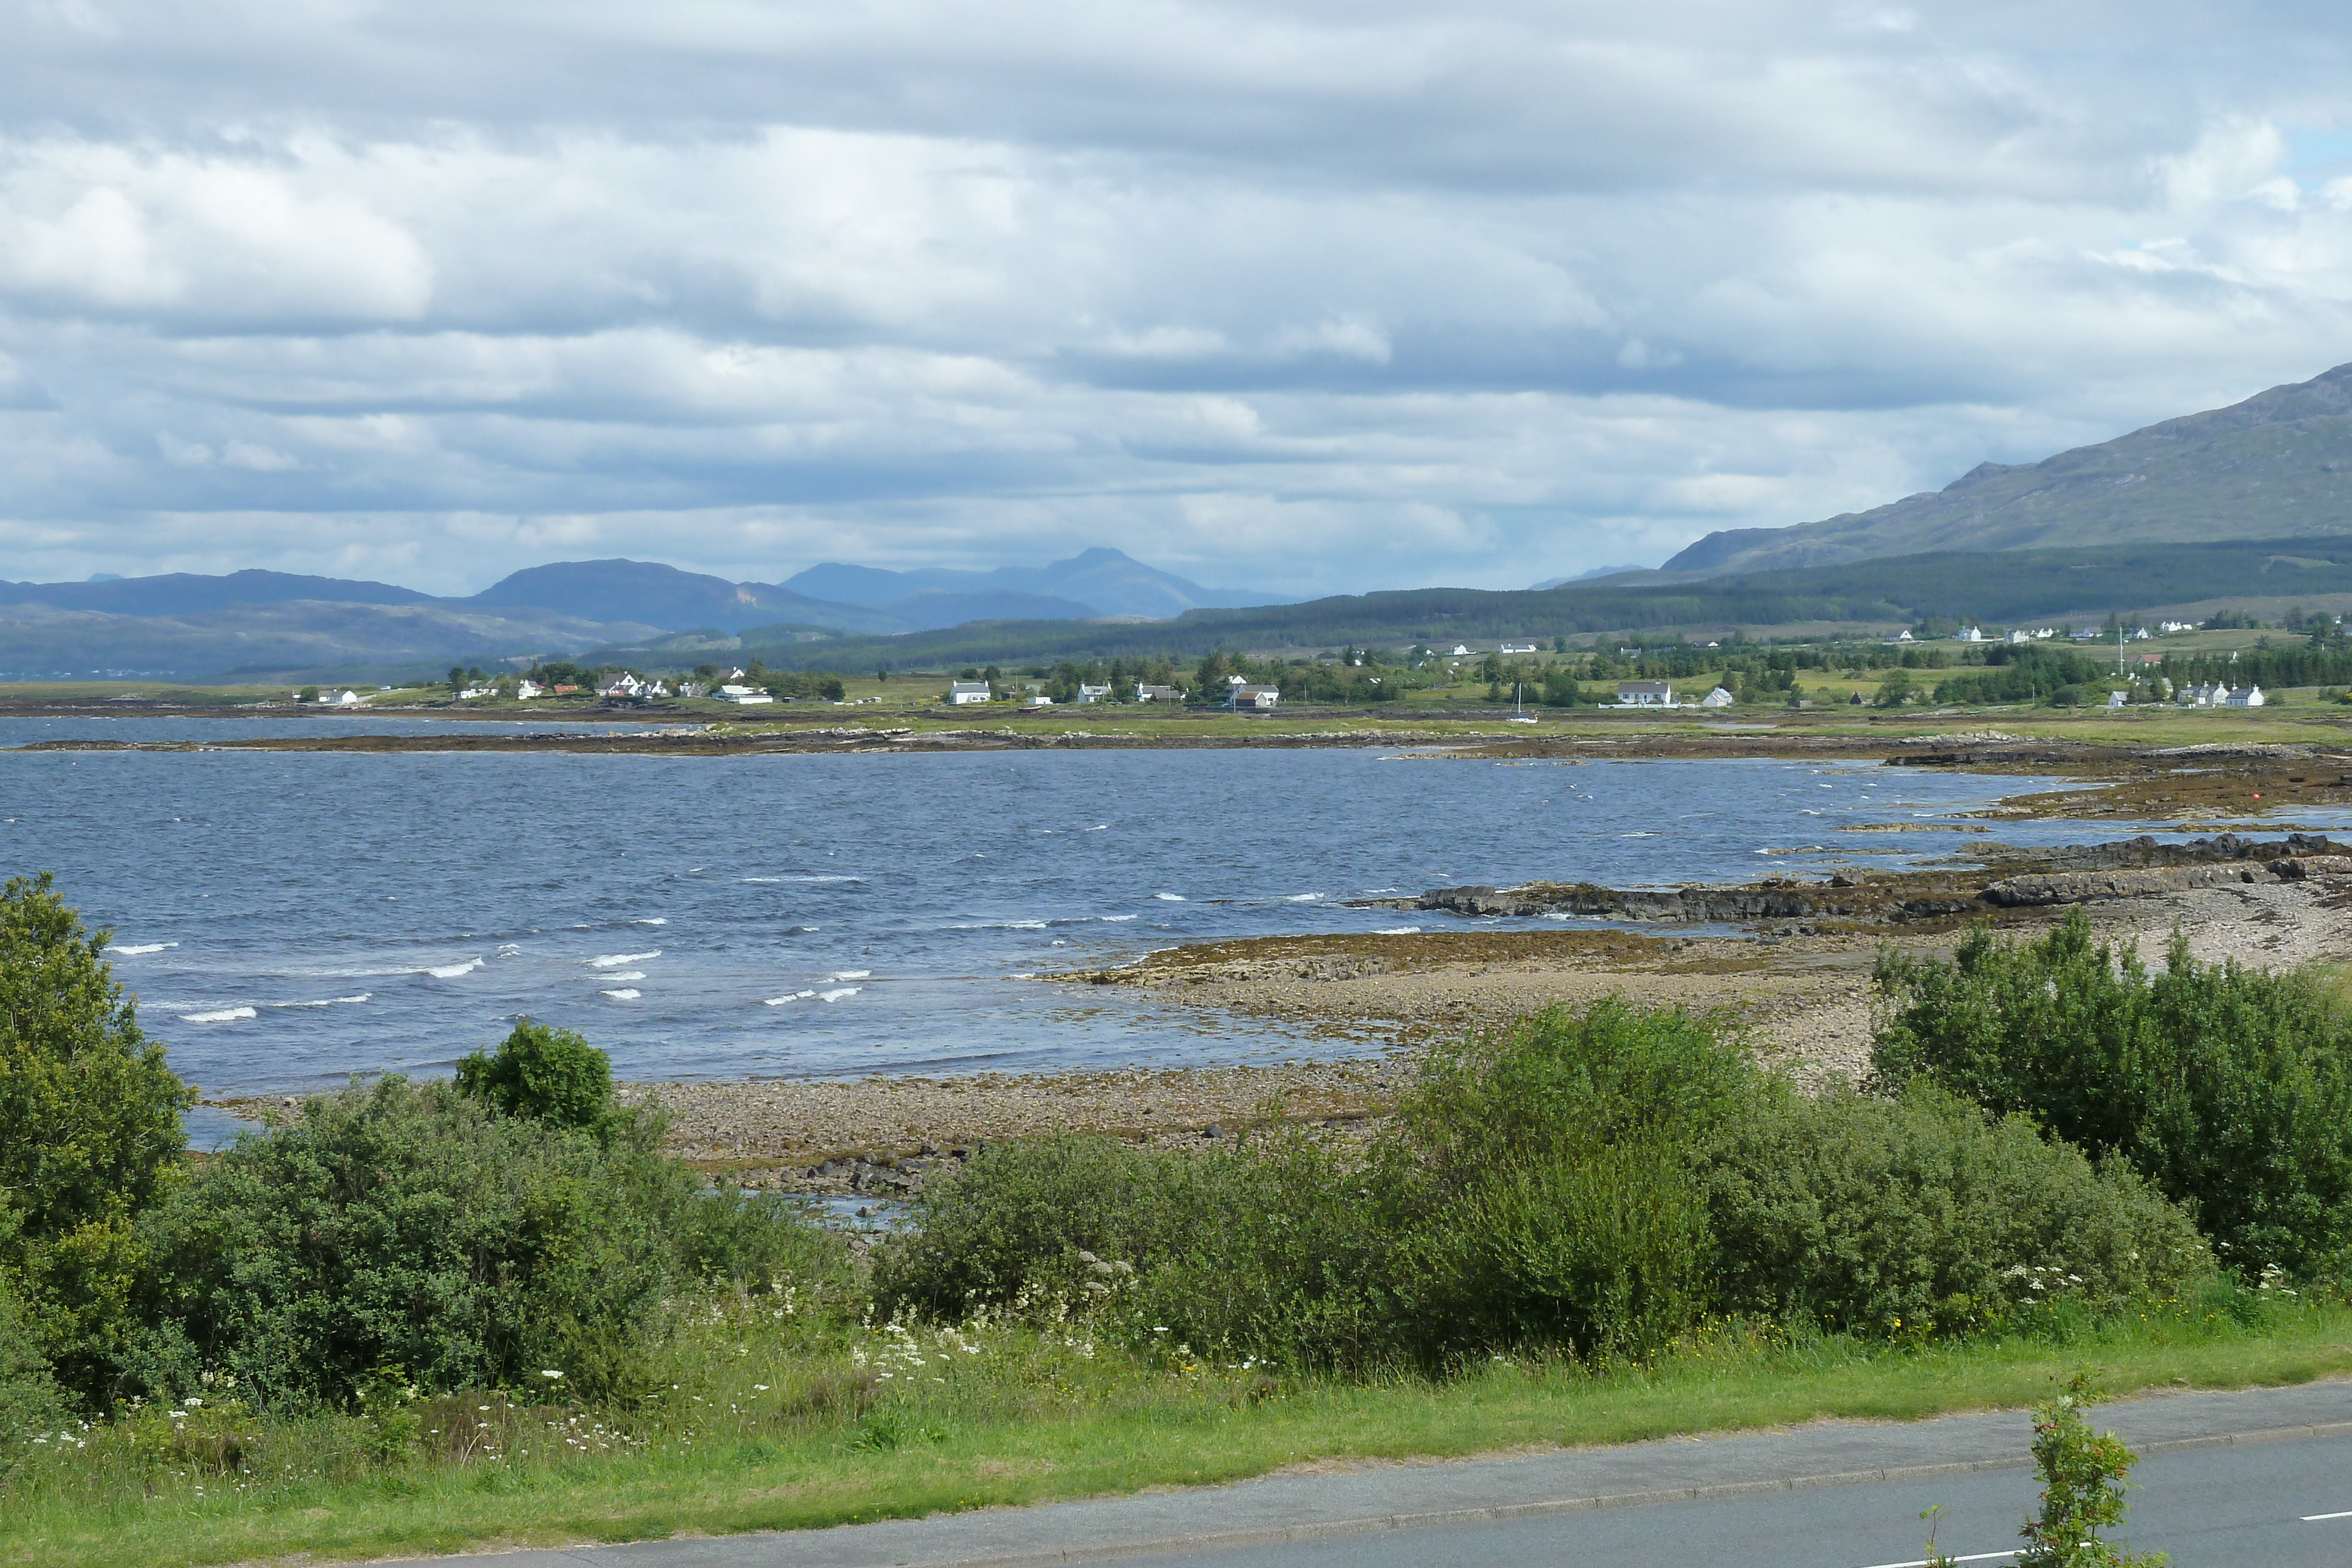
{"type": "Point", "coordinates": [286, 919]}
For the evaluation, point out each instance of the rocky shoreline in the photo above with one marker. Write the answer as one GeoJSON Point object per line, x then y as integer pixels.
{"type": "Point", "coordinates": [879, 1136]}
{"type": "Point", "coordinates": [2081, 874]}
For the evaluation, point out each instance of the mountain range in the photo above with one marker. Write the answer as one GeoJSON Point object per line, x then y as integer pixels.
{"type": "Point", "coordinates": [2277, 466]}
{"type": "Point", "coordinates": [183, 625]}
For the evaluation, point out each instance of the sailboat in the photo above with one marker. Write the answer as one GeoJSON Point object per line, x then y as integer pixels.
{"type": "Point", "coordinates": [1519, 714]}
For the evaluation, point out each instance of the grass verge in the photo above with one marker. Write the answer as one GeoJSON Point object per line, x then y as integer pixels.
{"type": "Point", "coordinates": [771, 1427]}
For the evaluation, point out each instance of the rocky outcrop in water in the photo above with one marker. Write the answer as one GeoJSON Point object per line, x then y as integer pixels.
{"type": "Point", "coordinates": [2074, 873]}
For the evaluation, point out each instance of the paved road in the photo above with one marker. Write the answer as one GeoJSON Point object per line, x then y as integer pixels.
{"type": "Point", "coordinates": [2230, 1477]}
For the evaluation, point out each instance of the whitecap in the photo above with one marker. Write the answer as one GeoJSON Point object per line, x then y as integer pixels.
{"type": "Point", "coordinates": [759, 879]}
{"type": "Point", "coordinates": [1300, 897]}
{"type": "Point", "coordinates": [222, 1015]}
{"type": "Point", "coordinates": [138, 949]}
{"type": "Point", "coordinates": [1169, 897]}
{"type": "Point", "coordinates": [615, 961]}
{"type": "Point", "coordinates": [1809, 811]}
{"type": "Point", "coordinates": [852, 974]}
{"type": "Point", "coordinates": [1399, 931]}
{"type": "Point", "coordinates": [656, 920]}
{"type": "Point", "coordinates": [625, 994]}
{"type": "Point", "coordinates": [325, 1003]}
{"type": "Point", "coordinates": [451, 971]}
{"type": "Point", "coordinates": [1638, 835]}
{"type": "Point", "coordinates": [793, 996]}
{"type": "Point", "coordinates": [1025, 925]}
{"type": "Point", "coordinates": [1100, 828]}
{"type": "Point", "coordinates": [624, 975]}
{"type": "Point", "coordinates": [1115, 919]}
{"type": "Point", "coordinates": [837, 993]}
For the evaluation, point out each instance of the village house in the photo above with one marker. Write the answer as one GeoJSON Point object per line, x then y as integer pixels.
{"type": "Point", "coordinates": [1645, 694]}
{"type": "Point", "coordinates": [1968, 634]}
{"type": "Point", "coordinates": [745, 696]}
{"type": "Point", "coordinates": [961, 692]}
{"type": "Point", "coordinates": [1896, 641]}
{"type": "Point", "coordinates": [344, 699]}
{"type": "Point", "coordinates": [2166, 628]}
{"type": "Point", "coordinates": [1515, 648]}
{"type": "Point", "coordinates": [470, 692]}
{"type": "Point", "coordinates": [2015, 637]}
{"type": "Point", "coordinates": [1144, 694]}
{"type": "Point", "coordinates": [2204, 696]}
{"type": "Point", "coordinates": [624, 685]}
{"type": "Point", "coordinates": [2118, 699]}
{"type": "Point", "coordinates": [1716, 698]}
{"type": "Point", "coordinates": [1037, 699]}
{"type": "Point", "coordinates": [1087, 694]}
{"type": "Point", "coordinates": [527, 688]}
{"type": "Point", "coordinates": [1260, 698]}
{"type": "Point", "coordinates": [2245, 697]}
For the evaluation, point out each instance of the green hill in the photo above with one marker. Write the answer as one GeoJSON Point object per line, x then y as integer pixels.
{"type": "Point", "coordinates": [2275, 466]}
{"type": "Point", "coordinates": [1998, 589]}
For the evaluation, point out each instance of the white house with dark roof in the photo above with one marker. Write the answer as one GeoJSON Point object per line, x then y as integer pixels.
{"type": "Point", "coordinates": [1259, 697]}
{"type": "Point", "coordinates": [1645, 694]}
{"type": "Point", "coordinates": [961, 692]}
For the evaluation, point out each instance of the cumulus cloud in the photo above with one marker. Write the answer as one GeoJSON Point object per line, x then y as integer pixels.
{"type": "Point", "coordinates": [1322, 298]}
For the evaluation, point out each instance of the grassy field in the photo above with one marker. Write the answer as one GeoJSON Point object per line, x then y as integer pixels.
{"type": "Point", "coordinates": [774, 1427]}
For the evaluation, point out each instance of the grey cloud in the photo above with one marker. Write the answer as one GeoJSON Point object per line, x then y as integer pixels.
{"type": "Point", "coordinates": [1330, 297]}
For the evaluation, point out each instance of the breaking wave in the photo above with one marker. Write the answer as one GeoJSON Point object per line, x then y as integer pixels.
{"type": "Point", "coordinates": [615, 961]}
{"type": "Point", "coordinates": [139, 949]}
{"type": "Point", "coordinates": [625, 994]}
{"type": "Point", "coordinates": [219, 1015]}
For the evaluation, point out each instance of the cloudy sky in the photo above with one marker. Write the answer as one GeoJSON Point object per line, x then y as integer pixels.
{"type": "Point", "coordinates": [1302, 295]}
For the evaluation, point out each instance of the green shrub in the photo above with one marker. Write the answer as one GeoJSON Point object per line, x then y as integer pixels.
{"type": "Point", "coordinates": [2230, 1090]}
{"type": "Point", "coordinates": [1592, 1182]}
{"type": "Point", "coordinates": [30, 1401]}
{"type": "Point", "coordinates": [1262, 1251]}
{"type": "Point", "coordinates": [1541, 1183]}
{"type": "Point", "coordinates": [1921, 1214]}
{"type": "Point", "coordinates": [90, 1132]}
{"type": "Point", "coordinates": [552, 1074]}
{"type": "Point", "coordinates": [406, 1226]}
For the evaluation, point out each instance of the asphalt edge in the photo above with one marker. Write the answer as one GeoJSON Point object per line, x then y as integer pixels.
{"type": "Point", "coordinates": [1377, 1524]}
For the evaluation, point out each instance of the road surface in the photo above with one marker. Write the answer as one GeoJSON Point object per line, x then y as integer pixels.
{"type": "Point", "coordinates": [2262, 1477]}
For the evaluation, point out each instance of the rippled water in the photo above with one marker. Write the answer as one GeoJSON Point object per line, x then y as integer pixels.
{"type": "Point", "coordinates": [289, 918]}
